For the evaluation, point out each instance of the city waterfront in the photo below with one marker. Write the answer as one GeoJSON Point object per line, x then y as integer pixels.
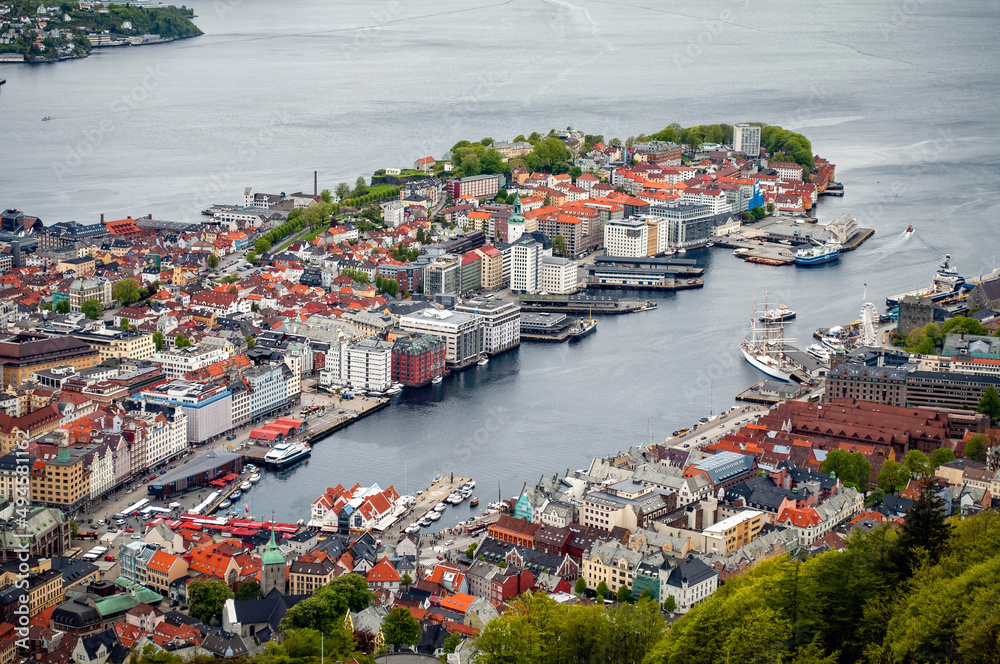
{"type": "Point", "coordinates": [166, 131]}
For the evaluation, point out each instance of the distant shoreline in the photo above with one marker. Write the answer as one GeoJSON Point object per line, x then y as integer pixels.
{"type": "Point", "coordinates": [93, 48]}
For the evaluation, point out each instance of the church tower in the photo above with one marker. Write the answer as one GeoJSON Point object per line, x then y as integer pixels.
{"type": "Point", "coordinates": [272, 568]}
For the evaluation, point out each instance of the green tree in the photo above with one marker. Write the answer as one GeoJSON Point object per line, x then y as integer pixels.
{"type": "Point", "coordinates": [62, 307]}
{"type": "Point", "coordinates": [559, 245]}
{"type": "Point", "coordinates": [343, 190]}
{"type": "Point", "coordinates": [624, 594]}
{"type": "Point", "coordinates": [964, 324]}
{"type": "Point", "coordinates": [260, 247]}
{"type": "Point", "coordinates": [158, 340]}
{"type": "Point", "coordinates": [892, 477]}
{"type": "Point", "coordinates": [602, 591]}
{"type": "Point", "coordinates": [941, 456]}
{"type": "Point", "coordinates": [546, 154]}
{"type": "Point", "coordinates": [925, 340]}
{"type": "Point", "coordinates": [990, 404]}
{"type": "Point", "coordinates": [206, 599]}
{"type": "Point", "coordinates": [976, 447]}
{"type": "Point", "coordinates": [924, 527]}
{"type": "Point", "coordinates": [125, 291]}
{"type": "Point", "coordinates": [360, 187]}
{"type": "Point", "coordinates": [451, 643]}
{"type": "Point", "coordinates": [248, 590]}
{"type": "Point", "coordinates": [329, 604]}
{"type": "Point", "coordinates": [251, 342]}
{"type": "Point", "coordinates": [73, 530]}
{"type": "Point", "coordinates": [670, 604]}
{"type": "Point", "coordinates": [876, 496]}
{"type": "Point", "coordinates": [180, 341]}
{"type": "Point", "coordinates": [326, 196]}
{"type": "Point", "coordinates": [852, 468]}
{"type": "Point", "coordinates": [471, 551]}
{"type": "Point", "coordinates": [401, 628]}
{"type": "Point", "coordinates": [406, 580]}
{"type": "Point", "coordinates": [92, 309]}
{"type": "Point", "coordinates": [917, 463]}
{"type": "Point", "coordinates": [212, 261]}
{"type": "Point", "coordinates": [580, 586]}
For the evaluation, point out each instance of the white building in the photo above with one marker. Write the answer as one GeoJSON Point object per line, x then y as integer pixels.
{"type": "Point", "coordinates": [558, 276]}
{"type": "Point", "coordinates": [368, 365]}
{"type": "Point", "coordinates": [746, 139]}
{"type": "Point", "coordinates": [787, 171]}
{"type": "Point", "coordinates": [525, 264]}
{"type": "Point", "coordinates": [393, 213]}
{"type": "Point", "coordinates": [626, 237]}
{"type": "Point", "coordinates": [689, 583]}
{"type": "Point", "coordinates": [501, 323]}
{"type": "Point", "coordinates": [461, 332]}
{"type": "Point", "coordinates": [177, 362]}
{"type": "Point", "coordinates": [166, 437]}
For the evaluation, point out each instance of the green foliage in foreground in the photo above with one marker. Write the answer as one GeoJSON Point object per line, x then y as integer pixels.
{"type": "Point", "coordinates": [538, 630]}
{"type": "Point", "coordinates": [883, 600]}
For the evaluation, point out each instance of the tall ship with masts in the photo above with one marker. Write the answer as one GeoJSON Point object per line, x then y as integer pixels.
{"type": "Point", "coordinates": [765, 344]}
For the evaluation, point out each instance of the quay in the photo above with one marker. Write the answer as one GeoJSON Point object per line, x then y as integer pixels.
{"type": "Point", "coordinates": [553, 327]}
{"type": "Point", "coordinates": [255, 453]}
{"type": "Point", "coordinates": [584, 303]}
{"type": "Point", "coordinates": [226, 492]}
{"type": "Point", "coordinates": [770, 392]}
{"type": "Point", "coordinates": [440, 489]}
{"type": "Point", "coordinates": [630, 283]}
{"type": "Point", "coordinates": [679, 266]}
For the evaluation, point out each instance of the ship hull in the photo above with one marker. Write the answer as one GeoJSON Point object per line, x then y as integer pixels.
{"type": "Point", "coordinates": [818, 260]}
{"type": "Point", "coordinates": [771, 371]}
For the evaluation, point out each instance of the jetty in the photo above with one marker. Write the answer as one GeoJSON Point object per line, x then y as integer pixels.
{"type": "Point", "coordinates": [584, 303]}
{"type": "Point", "coordinates": [440, 489]}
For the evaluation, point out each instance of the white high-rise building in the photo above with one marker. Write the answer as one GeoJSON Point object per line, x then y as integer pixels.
{"type": "Point", "coordinates": [501, 323]}
{"type": "Point", "coordinates": [525, 265]}
{"type": "Point", "coordinates": [626, 237]}
{"type": "Point", "coordinates": [558, 276]}
{"type": "Point", "coordinates": [746, 139]}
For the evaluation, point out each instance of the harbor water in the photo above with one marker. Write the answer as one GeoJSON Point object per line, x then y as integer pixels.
{"type": "Point", "coordinates": [900, 95]}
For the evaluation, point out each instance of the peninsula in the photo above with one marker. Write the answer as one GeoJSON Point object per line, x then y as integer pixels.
{"type": "Point", "coordinates": [32, 31]}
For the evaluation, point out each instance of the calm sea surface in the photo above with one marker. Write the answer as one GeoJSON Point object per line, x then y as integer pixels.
{"type": "Point", "coordinates": [900, 95]}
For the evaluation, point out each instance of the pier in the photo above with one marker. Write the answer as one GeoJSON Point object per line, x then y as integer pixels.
{"type": "Point", "coordinates": [629, 283]}
{"type": "Point", "coordinates": [425, 502]}
{"type": "Point", "coordinates": [584, 303]}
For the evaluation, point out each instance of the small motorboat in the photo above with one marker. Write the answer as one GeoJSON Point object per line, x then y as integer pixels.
{"type": "Point", "coordinates": [909, 229]}
{"type": "Point", "coordinates": [46, 118]}
{"type": "Point", "coordinates": [225, 504]}
{"type": "Point", "coordinates": [246, 486]}
{"type": "Point", "coordinates": [434, 516]}
{"type": "Point", "coordinates": [440, 507]}
{"type": "Point", "coordinates": [394, 390]}
{"type": "Point", "coordinates": [255, 478]}
{"type": "Point", "coordinates": [414, 528]}
{"type": "Point", "coordinates": [436, 380]}
{"type": "Point", "coordinates": [474, 502]}
{"type": "Point", "coordinates": [483, 362]}
{"type": "Point", "coordinates": [236, 495]}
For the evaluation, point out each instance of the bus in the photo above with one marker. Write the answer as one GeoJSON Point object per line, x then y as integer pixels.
{"type": "Point", "coordinates": [72, 552]}
{"type": "Point", "coordinates": [82, 535]}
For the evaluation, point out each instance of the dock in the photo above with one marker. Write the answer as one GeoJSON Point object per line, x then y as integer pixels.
{"type": "Point", "coordinates": [255, 453]}
{"type": "Point", "coordinates": [584, 303]}
{"type": "Point", "coordinates": [770, 392]}
{"type": "Point", "coordinates": [667, 285]}
{"type": "Point", "coordinates": [425, 502]}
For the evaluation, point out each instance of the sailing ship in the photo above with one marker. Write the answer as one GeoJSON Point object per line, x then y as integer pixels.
{"type": "Point", "coordinates": [764, 346]}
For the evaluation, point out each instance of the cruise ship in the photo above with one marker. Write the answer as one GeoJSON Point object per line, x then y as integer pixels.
{"type": "Point", "coordinates": [283, 455]}
{"type": "Point", "coordinates": [824, 253]}
{"type": "Point", "coordinates": [946, 283]}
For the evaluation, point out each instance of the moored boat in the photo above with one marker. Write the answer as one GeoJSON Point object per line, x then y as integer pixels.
{"type": "Point", "coordinates": [781, 312]}
{"type": "Point", "coordinates": [436, 379]}
{"type": "Point", "coordinates": [474, 502]}
{"type": "Point", "coordinates": [764, 346]}
{"type": "Point", "coordinates": [283, 455]}
{"type": "Point", "coordinates": [255, 478]}
{"type": "Point", "coordinates": [824, 253]}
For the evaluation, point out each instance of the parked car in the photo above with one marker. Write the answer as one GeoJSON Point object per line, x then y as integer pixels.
{"type": "Point", "coordinates": [109, 558]}
{"type": "Point", "coordinates": [130, 530]}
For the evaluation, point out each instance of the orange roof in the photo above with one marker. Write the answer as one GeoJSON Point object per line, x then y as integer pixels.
{"type": "Point", "coordinates": [382, 572]}
{"type": "Point", "coordinates": [459, 602]}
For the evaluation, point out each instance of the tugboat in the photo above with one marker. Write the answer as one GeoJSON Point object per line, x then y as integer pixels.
{"type": "Point", "coordinates": [474, 502]}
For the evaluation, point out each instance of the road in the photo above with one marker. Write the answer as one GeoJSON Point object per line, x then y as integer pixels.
{"type": "Point", "coordinates": [713, 430]}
